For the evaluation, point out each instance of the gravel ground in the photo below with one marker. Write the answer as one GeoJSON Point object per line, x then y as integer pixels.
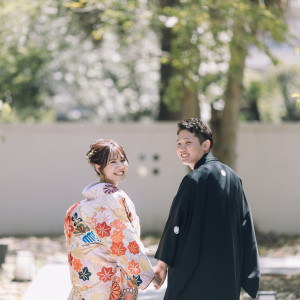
{"type": "Point", "coordinates": [287, 286]}
{"type": "Point", "coordinates": [43, 248]}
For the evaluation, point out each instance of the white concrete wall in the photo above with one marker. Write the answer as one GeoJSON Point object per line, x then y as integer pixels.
{"type": "Point", "coordinates": [43, 171]}
{"type": "Point", "coordinates": [269, 165]}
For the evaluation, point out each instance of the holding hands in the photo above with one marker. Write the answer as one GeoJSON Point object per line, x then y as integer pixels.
{"type": "Point", "coordinates": [160, 273]}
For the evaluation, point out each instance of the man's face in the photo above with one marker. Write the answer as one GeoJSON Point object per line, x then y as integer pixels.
{"type": "Point", "coordinates": [189, 149]}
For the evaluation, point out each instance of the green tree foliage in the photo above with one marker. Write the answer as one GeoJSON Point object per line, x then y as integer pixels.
{"type": "Point", "coordinates": [202, 43]}
{"type": "Point", "coordinates": [198, 48]}
{"type": "Point", "coordinates": [289, 82]}
{"type": "Point", "coordinates": [22, 58]}
{"type": "Point", "coordinates": [50, 69]}
{"type": "Point", "coordinates": [277, 94]}
{"type": "Point", "coordinates": [128, 54]}
{"type": "Point", "coordinates": [296, 97]}
{"type": "Point", "coordinates": [5, 111]}
{"type": "Point", "coordinates": [257, 20]}
{"type": "Point", "coordinates": [249, 107]}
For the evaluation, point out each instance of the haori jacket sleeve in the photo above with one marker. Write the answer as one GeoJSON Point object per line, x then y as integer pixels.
{"type": "Point", "coordinates": [112, 222]}
{"type": "Point", "coordinates": [251, 269]}
{"type": "Point", "coordinates": [167, 247]}
{"type": "Point", "coordinates": [178, 226]}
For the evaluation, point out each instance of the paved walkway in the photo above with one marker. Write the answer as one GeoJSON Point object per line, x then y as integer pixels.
{"type": "Point", "coordinates": [53, 281]}
{"type": "Point", "coordinates": [288, 265]}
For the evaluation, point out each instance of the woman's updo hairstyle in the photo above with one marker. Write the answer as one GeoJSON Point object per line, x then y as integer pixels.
{"type": "Point", "coordinates": [102, 150]}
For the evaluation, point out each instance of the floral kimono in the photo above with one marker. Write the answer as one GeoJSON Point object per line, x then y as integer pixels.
{"type": "Point", "coordinates": [106, 257]}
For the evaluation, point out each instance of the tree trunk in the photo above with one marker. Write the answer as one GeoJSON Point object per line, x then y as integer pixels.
{"type": "Point", "coordinates": [189, 105]}
{"type": "Point", "coordinates": [165, 74]}
{"type": "Point", "coordinates": [166, 71]}
{"type": "Point", "coordinates": [227, 124]}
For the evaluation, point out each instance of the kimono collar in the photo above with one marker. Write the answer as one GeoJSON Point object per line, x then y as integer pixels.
{"type": "Point", "coordinates": [95, 189]}
{"type": "Point", "coordinates": [204, 159]}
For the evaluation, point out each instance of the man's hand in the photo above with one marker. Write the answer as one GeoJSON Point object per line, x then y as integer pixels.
{"type": "Point", "coordinates": [160, 273]}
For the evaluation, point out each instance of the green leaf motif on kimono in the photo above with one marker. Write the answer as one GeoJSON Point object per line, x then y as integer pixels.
{"type": "Point", "coordinates": [80, 228]}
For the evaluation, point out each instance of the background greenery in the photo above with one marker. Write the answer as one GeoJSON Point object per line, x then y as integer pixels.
{"type": "Point", "coordinates": [135, 60]}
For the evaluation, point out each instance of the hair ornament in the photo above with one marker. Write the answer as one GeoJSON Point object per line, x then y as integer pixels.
{"type": "Point", "coordinates": [91, 153]}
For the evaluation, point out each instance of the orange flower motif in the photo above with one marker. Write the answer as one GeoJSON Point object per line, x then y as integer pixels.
{"type": "Point", "coordinates": [118, 224]}
{"type": "Point", "coordinates": [103, 229]}
{"type": "Point", "coordinates": [115, 291]}
{"type": "Point", "coordinates": [134, 267]}
{"type": "Point", "coordinates": [117, 237]}
{"type": "Point", "coordinates": [133, 247]}
{"type": "Point", "coordinates": [106, 274]}
{"type": "Point", "coordinates": [77, 265]}
{"type": "Point", "coordinates": [68, 226]}
{"type": "Point", "coordinates": [118, 249]}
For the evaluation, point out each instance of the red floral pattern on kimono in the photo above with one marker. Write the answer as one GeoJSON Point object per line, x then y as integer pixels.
{"type": "Point", "coordinates": [106, 257]}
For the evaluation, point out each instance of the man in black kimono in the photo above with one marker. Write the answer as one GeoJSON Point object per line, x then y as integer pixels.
{"type": "Point", "coordinates": [208, 245]}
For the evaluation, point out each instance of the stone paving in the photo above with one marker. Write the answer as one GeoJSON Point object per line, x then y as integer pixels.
{"type": "Point", "coordinates": [52, 282]}
{"type": "Point", "coordinates": [51, 276]}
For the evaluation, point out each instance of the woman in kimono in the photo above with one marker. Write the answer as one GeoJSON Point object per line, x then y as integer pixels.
{"type": "Point", "coordinates": [106, 256]}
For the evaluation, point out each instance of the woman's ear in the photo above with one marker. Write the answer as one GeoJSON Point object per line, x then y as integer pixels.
{"type": "Point", "coordinates": [97, 169]}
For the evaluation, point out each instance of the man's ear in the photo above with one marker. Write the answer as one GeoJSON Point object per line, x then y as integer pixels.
{"type": "Point", "coordinates": [206, 145]}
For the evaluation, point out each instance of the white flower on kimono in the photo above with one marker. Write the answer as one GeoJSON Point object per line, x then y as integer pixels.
{"type": "Point", "coordinates": [106, 218]}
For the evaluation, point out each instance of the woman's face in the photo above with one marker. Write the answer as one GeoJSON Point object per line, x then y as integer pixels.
{"type": "Point", "coordinates": [115, 170]}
